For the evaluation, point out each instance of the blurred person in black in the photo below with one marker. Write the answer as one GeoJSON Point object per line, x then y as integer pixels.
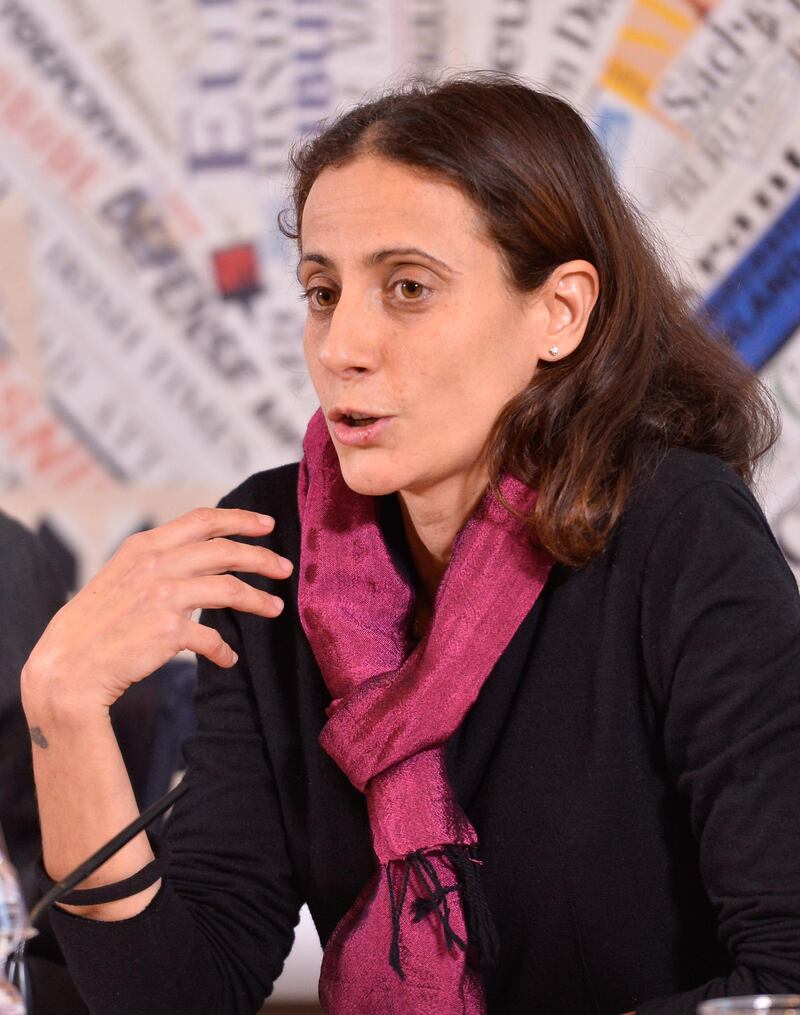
{"type": "Point", "coordinates": [30, 593]}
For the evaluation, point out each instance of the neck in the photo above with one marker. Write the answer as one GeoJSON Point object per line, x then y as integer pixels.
{"type": "Point", "coordinates": [432, 519]}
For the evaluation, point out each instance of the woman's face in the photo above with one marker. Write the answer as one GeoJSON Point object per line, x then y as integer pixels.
{"type": "Point", "coordinates": [411, 323]}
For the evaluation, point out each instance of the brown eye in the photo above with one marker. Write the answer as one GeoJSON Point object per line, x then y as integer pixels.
{"type": "Point", "coordinates": [321, 297]}
{"type": "Point", "coordinates": [411, 290]}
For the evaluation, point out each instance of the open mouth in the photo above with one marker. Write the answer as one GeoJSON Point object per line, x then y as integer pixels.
{"type": "Point", "coordinates": [358, 421]}
{"type": "Point", "coordinates": [357, 428]}
{"type": "Point", "coordinates": [352, 417]}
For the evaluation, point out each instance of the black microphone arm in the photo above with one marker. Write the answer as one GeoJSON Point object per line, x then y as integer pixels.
{"type": "Point", "coordinates": [61, 888]}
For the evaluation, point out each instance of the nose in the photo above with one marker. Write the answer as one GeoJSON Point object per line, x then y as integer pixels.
{"type": "Point", "coordinates": [349, 344]}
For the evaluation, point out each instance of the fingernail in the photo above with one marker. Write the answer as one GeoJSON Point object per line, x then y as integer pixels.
{"type": "Point", "coordinates": [265, 519]}
{"type": "Point", "coordinates": [234, 657]}
{"type": "Point", "coordinates": [286, 565]}
{"type": "Point", "coordinates": [278, 603]}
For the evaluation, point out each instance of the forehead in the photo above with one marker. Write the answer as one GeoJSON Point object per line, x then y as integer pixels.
{"type": "Point", "coordinates": [372, 202]}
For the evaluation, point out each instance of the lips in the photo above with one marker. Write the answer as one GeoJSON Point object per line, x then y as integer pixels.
{"type": "Point", "coordinates": [354, 417]}
{"type": "Point", "coordinates": [358, 427]}
{"type": "Point", "coordinates": [359, 420]}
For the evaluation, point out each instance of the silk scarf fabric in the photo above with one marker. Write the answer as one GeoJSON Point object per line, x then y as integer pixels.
{"type": "Point", "coordinates": [394, 705]}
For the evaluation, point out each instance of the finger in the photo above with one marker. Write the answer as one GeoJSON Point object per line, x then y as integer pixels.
{"type": "Point", "coordinates": [205, 641]}
{"type": "Point", "coordinates": [215, 556]}
{"type": "Point", "coordinates": [207, 523]}
{"type": "Point", "coordinates": [219, 592]}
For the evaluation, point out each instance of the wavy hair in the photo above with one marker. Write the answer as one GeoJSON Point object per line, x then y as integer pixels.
{"type": "Point", "coordinates": [649, 374]}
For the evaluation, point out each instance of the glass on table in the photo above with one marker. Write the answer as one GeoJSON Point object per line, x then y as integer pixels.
{"type": "Point", "coordinates": [785, 1004]}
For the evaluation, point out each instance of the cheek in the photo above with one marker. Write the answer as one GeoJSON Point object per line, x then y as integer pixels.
{"type": "Point", "coordinates": [484, 335]}
{"type": "Point", "coordinates": [313, 365]}
{"type": "Point", "coordinates": [457, 407]}
{"type": "Point", "coordinates": [500, 360]}
{"type": "Point", "coordinates": [309, 347]}
{"type": "Point", "coordinates": [477, 371]}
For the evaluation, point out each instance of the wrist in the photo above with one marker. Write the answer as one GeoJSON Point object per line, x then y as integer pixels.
{"type": "Point", "coordinates": [49, 698]}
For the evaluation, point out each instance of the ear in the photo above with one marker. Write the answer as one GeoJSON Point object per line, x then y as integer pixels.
{"type": "Point", "coordinates": [565, 301]}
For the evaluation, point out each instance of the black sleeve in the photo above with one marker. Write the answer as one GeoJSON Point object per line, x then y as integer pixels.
{"type": "Point", "coordinates": [216, 936]}
{"type": "Point", "coordinates": [721, 630]}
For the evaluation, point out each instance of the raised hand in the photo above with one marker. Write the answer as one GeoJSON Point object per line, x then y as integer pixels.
{"type": "Point", "coordinates": [136, 613]}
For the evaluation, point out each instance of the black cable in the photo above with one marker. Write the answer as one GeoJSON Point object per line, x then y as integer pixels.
{"type": "Point", "coordinates": [89, 866]}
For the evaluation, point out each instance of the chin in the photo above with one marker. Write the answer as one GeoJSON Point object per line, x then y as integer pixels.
{"type": "Point", "coordinates": [369, 478]}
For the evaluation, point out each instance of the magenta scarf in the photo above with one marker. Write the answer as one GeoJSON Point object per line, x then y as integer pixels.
{"type": "Point", "coordinates": [394, 706]}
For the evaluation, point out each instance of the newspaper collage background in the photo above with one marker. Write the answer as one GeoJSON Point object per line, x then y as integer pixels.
{"type": "Point", "coordinates": [150, 353]}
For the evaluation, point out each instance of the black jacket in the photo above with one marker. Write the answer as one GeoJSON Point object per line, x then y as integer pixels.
{"type": "Point", "coordinates": [631, 767]}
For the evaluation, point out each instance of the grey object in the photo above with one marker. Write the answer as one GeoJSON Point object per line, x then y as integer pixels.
{"type": "Point", "coordinates": [786, 1004]}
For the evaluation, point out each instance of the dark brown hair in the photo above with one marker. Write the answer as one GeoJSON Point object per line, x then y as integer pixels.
{"type": "Point", "coordinates": [649, 373]}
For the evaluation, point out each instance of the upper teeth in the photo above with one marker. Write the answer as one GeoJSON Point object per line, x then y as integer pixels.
{"type": "Point", "coordinates": [358, 415]}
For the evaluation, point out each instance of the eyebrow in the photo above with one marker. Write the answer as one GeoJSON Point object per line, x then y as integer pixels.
{"type": "Point", "coordinates": [377, 256]}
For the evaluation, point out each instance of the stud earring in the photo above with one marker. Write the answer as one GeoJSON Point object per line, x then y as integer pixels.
{"type": "Point", "coordinates": [553, 350]}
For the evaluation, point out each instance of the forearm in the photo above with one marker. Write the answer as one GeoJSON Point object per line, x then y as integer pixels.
{"type": "Point", "coordinates": [741, 981]}
{"type": "Point", "coordinates": [84, 794]}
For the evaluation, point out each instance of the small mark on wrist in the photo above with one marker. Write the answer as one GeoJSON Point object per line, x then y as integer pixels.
{"type": "Point", "coordinates": [38, 737]}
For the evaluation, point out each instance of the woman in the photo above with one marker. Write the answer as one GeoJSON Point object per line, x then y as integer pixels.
{"type": "Point", "coordinates": [522, 727]}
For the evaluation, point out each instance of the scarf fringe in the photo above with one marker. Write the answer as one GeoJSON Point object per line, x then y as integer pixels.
{"type": "Point", "coordinates": [481, 930]}
{"type": "Point", "coordinates": [483, 944]}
